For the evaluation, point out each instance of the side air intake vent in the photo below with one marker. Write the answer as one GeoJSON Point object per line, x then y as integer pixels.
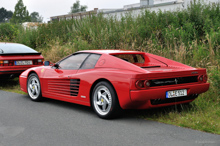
{"type": "Point", "coordinates": [74, 87]}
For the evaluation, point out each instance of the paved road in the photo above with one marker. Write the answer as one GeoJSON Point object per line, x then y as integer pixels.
{"type": "Point", "coordinates": [55, 123]}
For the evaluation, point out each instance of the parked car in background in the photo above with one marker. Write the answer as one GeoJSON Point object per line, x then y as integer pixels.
{"type": "Point", "coordinates": [111, 80]}
{"type": "Point", "coordinates": [16, 58]}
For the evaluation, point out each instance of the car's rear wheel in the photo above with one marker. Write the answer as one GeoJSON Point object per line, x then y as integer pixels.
{"type": "Point", "coordinates": [34, 88]}
{"type": "Point", "coordinates": [104, 101]}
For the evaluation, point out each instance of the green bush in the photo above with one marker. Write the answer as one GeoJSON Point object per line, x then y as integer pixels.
{"type": "Point", "coordinates": [8, 31]}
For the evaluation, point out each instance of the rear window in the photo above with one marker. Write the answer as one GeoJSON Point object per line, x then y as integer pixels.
{"type": "Point", "coordinates": [6, 48]}
{"type": "Point", "coordinates": [132, 58]}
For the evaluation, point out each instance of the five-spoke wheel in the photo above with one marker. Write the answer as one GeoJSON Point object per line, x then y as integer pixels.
{"type": "Point", "coordinates": [33, 87]}
{"type": "Point", "coordinates": [105, 101]}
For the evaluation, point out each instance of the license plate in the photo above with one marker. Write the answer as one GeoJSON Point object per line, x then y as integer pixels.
{"type": "Point", "coordinates": [176, 93]}
{"type": "Point", "coordinates": [26, 62]}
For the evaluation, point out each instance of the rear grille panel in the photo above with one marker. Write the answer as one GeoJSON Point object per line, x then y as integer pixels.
{"type": "Point", "coordinates": [173, 81]}
{"type": "Point", "coordinates": [74, 87]}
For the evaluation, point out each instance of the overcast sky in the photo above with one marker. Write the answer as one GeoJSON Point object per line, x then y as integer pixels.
{"type": "Point", "coordinates": [48, 8]}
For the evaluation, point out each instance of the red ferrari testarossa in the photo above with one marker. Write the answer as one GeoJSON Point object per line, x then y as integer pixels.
{"type": "Point", "coordinates": [111, 80]}
{"type": "Point", "coordinates": [16, 58]}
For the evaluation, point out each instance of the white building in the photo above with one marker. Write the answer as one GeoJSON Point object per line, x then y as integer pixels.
{"type": "Point", "coordinates": [135, 9]}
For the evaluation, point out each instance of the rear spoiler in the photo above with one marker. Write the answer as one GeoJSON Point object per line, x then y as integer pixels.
{"type": "Point", "coordinates": [8, 54]}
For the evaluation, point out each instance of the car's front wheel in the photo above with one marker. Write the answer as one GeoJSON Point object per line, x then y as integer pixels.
{"type": "Point", "coordinates": [34, 88]}
{"type": "Point", "coordinates": [104, 101]}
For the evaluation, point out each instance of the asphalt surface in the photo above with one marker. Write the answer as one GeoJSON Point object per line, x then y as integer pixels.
{"type": "Point", "coordinates": [55, 123]}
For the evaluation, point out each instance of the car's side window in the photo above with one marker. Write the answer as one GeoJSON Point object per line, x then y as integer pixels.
{"type": "Point", "coordinates": [91, 61]}
{"type": "Point", "coordinates": [73, 62]}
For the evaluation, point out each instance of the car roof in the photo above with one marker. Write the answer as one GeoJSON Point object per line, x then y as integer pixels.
{"type": "Point", "coordinates": [112, 52]}
{"type": "Point", "coordinates": [11, 48]}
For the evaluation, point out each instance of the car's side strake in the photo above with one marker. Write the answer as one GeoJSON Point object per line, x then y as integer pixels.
{"type": "Point", "coordinates": [59, 86]}
{"type": "Point", "coordinates": [74, 87]}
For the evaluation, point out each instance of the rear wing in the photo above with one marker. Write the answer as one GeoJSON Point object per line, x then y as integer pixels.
{"type": "Point", "coordinates": [8, 54]}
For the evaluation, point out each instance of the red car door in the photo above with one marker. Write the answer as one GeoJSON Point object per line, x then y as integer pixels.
{"type": "Point", "coordinates": [59, 80]}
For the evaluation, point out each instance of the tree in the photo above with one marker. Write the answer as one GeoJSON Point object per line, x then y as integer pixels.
{"type": "Point", "coordinates": [77, 7]}
{"type": "Point", "coordinates": [35, 17]}
{"type": "Point", "coordinates": [5, 15]}
{"type": "Point", "coordinates": [21, 13]}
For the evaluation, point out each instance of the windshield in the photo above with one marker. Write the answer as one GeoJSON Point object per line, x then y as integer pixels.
{"type": "Point", "coordinates": [10, 48]}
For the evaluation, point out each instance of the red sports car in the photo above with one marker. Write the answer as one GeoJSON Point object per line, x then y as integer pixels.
{"type": "Point", "coordinates": [16, 58]}
{"type": "Point", "coordinates": [111, 80]}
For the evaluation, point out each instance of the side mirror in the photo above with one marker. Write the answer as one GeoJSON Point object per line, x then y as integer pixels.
{"type": "Point", "coordinates": [56, 66]}
{"type": "Point", "coordinates": [46, 63]}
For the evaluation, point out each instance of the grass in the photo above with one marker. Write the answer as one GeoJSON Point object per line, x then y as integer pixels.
{"type": "Point", "coordinates": [191, 36]}
{"type": "Point", "coordinates": [11, 85]}
{"type": "Point", "coordinates": [190, 116]}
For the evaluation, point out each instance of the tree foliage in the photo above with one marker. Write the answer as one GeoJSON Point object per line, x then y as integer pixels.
{"type": "Point", "coordinates": [35, 17]}
{"type": "Point", "coordinates": [77, 7]}
{"type": "Point", "coordinates": [21, 13]}
{"type": "Point", "coordinates": [5, 15]}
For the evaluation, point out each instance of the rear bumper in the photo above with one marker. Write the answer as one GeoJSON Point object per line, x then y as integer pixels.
{"type": "Point", "coordinates": [11, 71]}
{"type": "Point", "coordinates": [145, 96]}
{"type": "Point", "coordinates": [14, 69]}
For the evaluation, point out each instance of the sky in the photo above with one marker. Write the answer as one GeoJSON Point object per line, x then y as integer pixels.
{"type": "Point", "coordinates": [49, 8]}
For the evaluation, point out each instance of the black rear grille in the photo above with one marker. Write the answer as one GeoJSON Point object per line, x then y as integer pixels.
{"type": "Point", "coordinates": [173, 81]}
{"type": "Point", "coordinates": [172, 100]}
{"type": "Point", "coordinates": [74, 87]}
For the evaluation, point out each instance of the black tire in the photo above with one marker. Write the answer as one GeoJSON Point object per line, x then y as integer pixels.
{"type": "Point", "coordinates": [104, 101]}
{"type": "Point", "coordinates": [34, 87]}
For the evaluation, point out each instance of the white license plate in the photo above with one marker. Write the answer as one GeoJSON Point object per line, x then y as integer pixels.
{"type": "Point", "coordinates": [176, 93]}
{"type": "Point", "coordinates": [26, 62]}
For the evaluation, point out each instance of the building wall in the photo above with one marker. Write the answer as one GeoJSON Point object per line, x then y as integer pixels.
{"type": "Point", "coordinates": [135, 9]}
{"type": "Point", "coordinates": [136, 12]}
{"type": "Point", "coordinates": [169, 6]}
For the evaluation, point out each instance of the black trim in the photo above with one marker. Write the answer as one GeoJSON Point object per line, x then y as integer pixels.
{"type": "Point", "coordinates": [7, 54]}
{"type": "Point", "coordinates": [172, 100]}
{"type": "Point", "coordinates": [173, 81]}
{"type": "Point", "coordinates": [84, 61]}
{"type": "Point", "coordinates": [74, 87]}
{"type": "Point", "coordinates": [13, 71]}
{"type": "Point", "coordinates": [88, 58]}
{"type": "Point", "coordinates": [150, 66]}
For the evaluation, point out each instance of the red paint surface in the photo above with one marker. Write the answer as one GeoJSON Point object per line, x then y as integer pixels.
{"type": "Point", "coordinates": [55, 83]}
